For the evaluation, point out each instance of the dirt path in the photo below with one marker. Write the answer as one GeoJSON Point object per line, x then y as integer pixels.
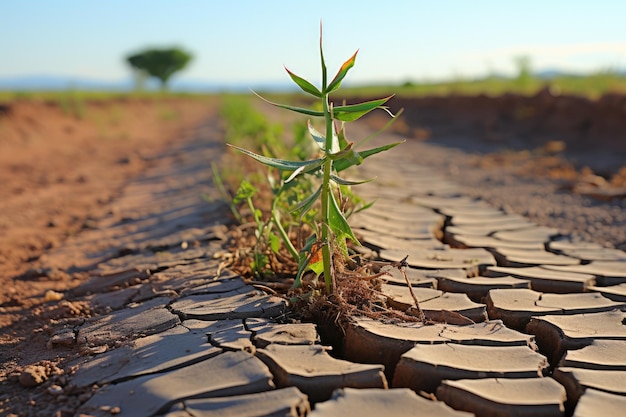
{"type": "Point", "coordinates": [61, 176]}
{"type": "Point", "coordinates": [59, 171]}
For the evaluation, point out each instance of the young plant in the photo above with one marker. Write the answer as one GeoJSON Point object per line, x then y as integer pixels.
{"type": "Point", "coordinates": [336, 155]}
{"type": "Point", "coordinates": [263, 233]}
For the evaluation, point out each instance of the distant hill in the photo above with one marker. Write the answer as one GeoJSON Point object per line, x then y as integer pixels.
{"type": "Point", "coordinates": [53, 82]}
{"type": "Point", "coordinates": [548, 74]}
{"type": "Point", "coordinates": [64, 83]}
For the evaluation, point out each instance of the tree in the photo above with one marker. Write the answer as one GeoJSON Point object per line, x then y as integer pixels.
{"type": "Point", "coordinates": [159, 63]}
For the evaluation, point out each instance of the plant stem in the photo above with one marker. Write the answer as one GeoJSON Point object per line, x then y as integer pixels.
{"type": "Point", "coordinates": [283, 234]}
{"type": "Point", "coordinates": [257, 219]}
{"type": "Point", "coordinates": [326, 253]}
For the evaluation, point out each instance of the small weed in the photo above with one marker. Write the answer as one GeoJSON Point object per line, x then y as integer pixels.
{"type": "Point", "coordinates": [221, 187]}
{"type": "Point", "coordinates": [263, 233]}
{"type": "Point", "coordinates": [72, 104]}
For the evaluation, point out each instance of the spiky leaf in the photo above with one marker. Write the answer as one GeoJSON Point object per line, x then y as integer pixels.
{"type": "Point", "coordinates": [281, 164]}
{"type": "Point", "coordinates": [338, 223]}
{"type": "Point", "coordinates": [342, 181]}
{"type": "Point", "coordinates": [306, 86]}
{"type": "Point", "coordinates": [336, 82]}
{"type": "Point", "coordinates": [305, 205]}
{"type": "Point", "coordinates": [301, 110]}
{"type": "Point", "coordinates": [320, 139]}
{"type": "Point", "coordinates": [341, 136]}
{"type": "Point", "coordinates": [294, 174]}
{"type": "Point", "coordinates": [352, 112]}
{"type": "Point", "coordinates": [324, 71]}
{"type": "Point", "coordinates": [345, 163]}
{"type": "Point", "coordinates": [348, 153]}
{"type": "Point", "coordinates": [382, 129]}
{"type": "Point", "coordinates": [353, 158]}
{"type": "Point", "coordinates": [364, 207]}
{"type": "Point", "coordinates": [304, 259]}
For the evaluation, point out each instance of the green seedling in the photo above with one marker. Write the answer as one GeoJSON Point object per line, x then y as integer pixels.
{"type": "Point", "coordinates": [73, 104]}
{"type": "Point", "coordinates": [219, 183]}
{"type": "Point", "coordinates": [263, 233]}
{"type": "Point", "coordinates": [336, 154]}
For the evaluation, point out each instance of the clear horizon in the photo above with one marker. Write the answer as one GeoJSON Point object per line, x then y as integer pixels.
{"type": "Point", "coordinates": [246, 41]}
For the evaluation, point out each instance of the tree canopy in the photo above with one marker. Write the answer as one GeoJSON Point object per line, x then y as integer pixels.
{"type": "Point", "coordinates": [160, 63]}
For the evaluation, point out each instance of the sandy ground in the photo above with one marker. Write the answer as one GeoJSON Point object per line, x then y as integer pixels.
{"type": "Point", "coordinates": [59, 170]}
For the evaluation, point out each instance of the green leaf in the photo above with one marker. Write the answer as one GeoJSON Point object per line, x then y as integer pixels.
{"type": "Point", "coordinates": [245, 191]}
{"type": "Point", "coordinates": [348, 153]}
{"type": "Point", "coordinates": [338, 223]}
{"type": "Point", "coordinates": [294, 175]}
{"type": "Point", "coordinates": [316, 135]}
{"type": "Point", "coordinates": [303, 260]}
{"type": "Point", "coordinates": [316, 267]}
{"type": "Point", "coordinates": [354, 158]}
{"type": "Point", "coordinates": [301, 110]}
{"type": "Point", "coordinates": [324, 71]}
{"type": "Point", "coordinates": [353, 112]}
{"type": "Point", "coordinates": [382, 129]}
{"type": "Point", "coordinates": [341, 136]}
{"type": "Point", "coordinates": [281, 164]}
{"type": "Point", "coordinates": [342, 181]}
{"type": "Point", "coordinates": [306, 86]}
{"type": "Point", "coordinates": [336, 82]}
{"type": "Point", "coordinates": [259, 264]}
{"type": "Point", "coordinates": [320, 139]}
{"type": "Point", "coordinates": [344, 163]}
{"type": "Point", "coordinates": [305, 205]}
{"type": "Point", "coordinates": [364, 207]}
{"type": "Point", "coordinates": [274, 242]}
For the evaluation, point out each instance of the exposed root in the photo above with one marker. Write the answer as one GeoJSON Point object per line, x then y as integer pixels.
{"type": "Point", "coordinates": [356, 284]}
{"type": "Point", "coordinates": [242, 250]}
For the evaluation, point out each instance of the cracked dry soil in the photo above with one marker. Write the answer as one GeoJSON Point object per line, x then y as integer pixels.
{"type": "Point", "coordinates": [60, 173]}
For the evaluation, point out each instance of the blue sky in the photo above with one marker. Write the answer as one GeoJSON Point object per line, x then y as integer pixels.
{"type": "Point", "coordinates": [249, 41]}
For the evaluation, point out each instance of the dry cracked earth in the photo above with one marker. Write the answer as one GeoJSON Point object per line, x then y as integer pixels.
{"type": "Point", "coordinates": [122, 307]}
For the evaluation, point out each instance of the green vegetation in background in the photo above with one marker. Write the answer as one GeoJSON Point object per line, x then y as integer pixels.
{"type": "Point", "coordinates": [73, 104]}
{"type": "Point", "coordinates": [592, 86]}
{"type": "Point", "coordinates": [245, 126]}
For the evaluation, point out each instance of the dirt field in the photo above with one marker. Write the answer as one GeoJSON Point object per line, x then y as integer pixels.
{"type": "Point", "coordinates": [57, 170]}
{"type": "Point", "coordinates": [60, 169]}
{"type": "Point", "coordinates": [587, 133]}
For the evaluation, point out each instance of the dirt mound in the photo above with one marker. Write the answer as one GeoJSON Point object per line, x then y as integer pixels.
{"type": "Point", "coordinates": [588, 132]}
